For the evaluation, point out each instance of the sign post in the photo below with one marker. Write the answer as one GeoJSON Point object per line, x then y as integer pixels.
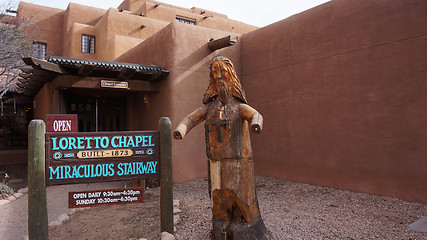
{"type": "Point", "coordinates": [37, 206]}
{"type": "Point", "coordinates": [166, 190]}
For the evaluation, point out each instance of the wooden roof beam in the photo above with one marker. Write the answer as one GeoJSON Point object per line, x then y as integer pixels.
{"type": "Point", "coordinates": [221, 42]}
{"type": "Point", "coordinates": [44, 65]}
{"type": "Point", "coordinates": [28, 86]}
{"type": "Point", "coordinates": [25, 75]}
{"type": "Point", "coordinates": [40, 73]}
{"type": "Point", "coordinates": [85, 70]}
{"type": "Point", "coordinates": [126, 73]}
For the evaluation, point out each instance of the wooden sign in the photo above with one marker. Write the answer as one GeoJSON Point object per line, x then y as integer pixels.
{"type": "Point", "coordinates": [62, 123]}
{"type": "Point", "coordinates": [114, 84]}
{"type": "Point", "coordinates": [101, 156]}
{"type": "Point", "coordinates": [105, 197]}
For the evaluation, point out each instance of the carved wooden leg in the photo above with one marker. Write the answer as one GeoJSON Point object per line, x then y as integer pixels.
{"type": "Point", "coordinates": [254, 230]}
{"type": "Point", "coordinates": [235, 211]}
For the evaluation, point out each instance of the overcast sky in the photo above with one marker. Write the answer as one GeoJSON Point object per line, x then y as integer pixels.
{"type": "Point", "coordinates": [258, 13]}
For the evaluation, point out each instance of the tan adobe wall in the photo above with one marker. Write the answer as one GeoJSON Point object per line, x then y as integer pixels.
{"type": "Point", "coordinates": [73, 43]}
{"type": "Point", "coordinates": [140, 6]}
{"type": "Point", "coordinates": [56, 26]}
{"type": "Point", "coordinates": [227, 25]}
{"type": "Point", "coordinates": [43, 102]}
{"type": "Point", "coordinates": [48, 100]}
{"type": "Point", "coordinates": [181, 49]}
{"type": "Point", "coordinates": [118, 23]}
{"type": "Point", "coordinates": [62, 30]}
{"type": "Point", "coordinates": [217, 21]}
{"type": "Point", "coordinates": [78, 20]}
{"type": "Point", "coordinates": [342, 91]}
{"type": "Point", "coordinates": [131, 5]}
{"type": "Point", "coordinates": [77, 13]}
{"type": "Point", "coordinates": [168, 13]}
{"type": "Point", "coordinates": [115, 23]}
{"type": "Point", "coordinates": [48, 23]}
{"type": "Point", "coordinates": [206, 12]}
{"type": "Point", "coordinates": [118, 45]}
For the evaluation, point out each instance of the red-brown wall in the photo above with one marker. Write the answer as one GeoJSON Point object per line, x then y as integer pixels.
{"type": "Point", "coordinates": [342, 88]}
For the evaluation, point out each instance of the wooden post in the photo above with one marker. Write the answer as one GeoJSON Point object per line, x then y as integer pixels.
{"type": "Point", "coordinates": [37, 207]}
{"type": "Point", "coordinates": [166, 191]}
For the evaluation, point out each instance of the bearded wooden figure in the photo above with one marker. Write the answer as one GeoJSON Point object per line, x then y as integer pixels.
{"type": "Point", "coordinates": [235, 211]}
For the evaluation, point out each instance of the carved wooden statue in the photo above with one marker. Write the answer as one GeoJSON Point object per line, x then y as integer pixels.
{"type": "Point", "coordinates": [227, 117]}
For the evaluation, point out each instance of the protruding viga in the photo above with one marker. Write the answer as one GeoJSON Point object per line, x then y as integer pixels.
{"type": "Point", "coordinates": [227, 117]}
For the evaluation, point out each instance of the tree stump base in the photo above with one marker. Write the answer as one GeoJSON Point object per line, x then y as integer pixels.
{"type": "Point", "coordinates": [254, 230]}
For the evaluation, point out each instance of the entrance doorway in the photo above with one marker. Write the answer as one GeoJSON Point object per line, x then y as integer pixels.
{"type": "Point", "coordinates": [98, 113]}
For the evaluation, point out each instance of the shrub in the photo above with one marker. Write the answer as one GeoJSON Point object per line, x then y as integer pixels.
{"type": "Point", "coordinates": [5, 190]}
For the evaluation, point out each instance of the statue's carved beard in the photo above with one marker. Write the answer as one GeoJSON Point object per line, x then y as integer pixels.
{"type": "Point", "coordinates": [223, 93]}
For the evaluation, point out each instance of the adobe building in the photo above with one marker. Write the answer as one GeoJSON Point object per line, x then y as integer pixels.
{"type": "Point", "coordinates": [341, 86]}
{"type": "Point", "coordinates": [99, 36]}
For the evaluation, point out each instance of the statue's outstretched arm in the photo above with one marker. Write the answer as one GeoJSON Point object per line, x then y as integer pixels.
{"type": "Point", "coordinates": [190, 121]}
{"type": "Point", "coordinates": [252, 116]}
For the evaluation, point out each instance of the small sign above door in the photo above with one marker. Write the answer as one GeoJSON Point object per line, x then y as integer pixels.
{"type": "Point", "coordinates": [114, 84]}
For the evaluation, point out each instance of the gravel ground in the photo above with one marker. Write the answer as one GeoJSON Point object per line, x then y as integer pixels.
{"type": "Point", "coordinates": [290, 211]}
{"type": "Point", "coordinates": [301, 211]}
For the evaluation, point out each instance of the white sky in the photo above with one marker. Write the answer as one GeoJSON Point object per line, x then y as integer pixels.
{"type": "Point", "coordinates": [258, 13]}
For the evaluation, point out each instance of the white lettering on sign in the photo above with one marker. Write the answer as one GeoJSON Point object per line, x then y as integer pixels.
{"type": "Point", "coordinates": [104, 197]}
{"type": "Point", "coordinates": [85, 202]}
{"type": "Point", "coordinates": [114, 84]}
{"type": "Point", "coordinates": [79, 195]}
{"type": "Point", "coordinates": [62, 125]}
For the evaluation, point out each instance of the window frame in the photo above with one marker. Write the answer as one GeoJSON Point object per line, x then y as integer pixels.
{"type": "Point", "coordinates": [186, 20]}
{"type": "Point", "coordinates": [41, 51]}
{"type": "Point", "coordinates": [88, 44]}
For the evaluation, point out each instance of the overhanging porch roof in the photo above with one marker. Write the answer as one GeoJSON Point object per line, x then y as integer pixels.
{"type": "Point", "coordinates": [79, 72]}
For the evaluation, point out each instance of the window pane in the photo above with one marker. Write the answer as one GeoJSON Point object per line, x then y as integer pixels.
{"type": "Point", "coordinates": [84, 43]}
{"type": "Point", "coordinates": [185, 20]}
{"type": "Point", "coordinates": [92, 44]}
{"type": "Point", "coordinates": [88, 44]}
{"type": "Point", "coordinates": [40, 50]}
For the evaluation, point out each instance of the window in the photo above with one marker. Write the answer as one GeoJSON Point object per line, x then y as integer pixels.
{"type": "Point", "coordinates": [88, 44]}
{"type": "Point", "coordinates": [185, 20]}
{"type": "Point", "coordinates": [40, 50]}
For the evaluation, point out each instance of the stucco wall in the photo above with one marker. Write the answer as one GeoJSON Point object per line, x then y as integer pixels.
{"type": "Point", "coordinates": [45, 25]}
{"type": "Point", "coordinates": [43, 102]}
{"type": "Point", "coordinates": [62, 29]}
{"type": "Point", "coordinates": [78, 20]}
{"type": "Point", "coordinates": [342, 91]}
{"type": "Point", "coordinates": [73, 43]}
{"type": "Point", "coordinates": [209, 19]}
{"type": "Point", "coordinates": [132, 27]}
{"type": "Point", "coordinates": [118, 45]}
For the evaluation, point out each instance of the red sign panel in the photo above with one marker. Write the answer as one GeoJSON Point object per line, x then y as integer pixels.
{"type": "Point", "coordinates": [85, 157]}
{"type": "Point", "coordinates": [104, 197]}
{"type": "Point", "coordinates": [61, 123]}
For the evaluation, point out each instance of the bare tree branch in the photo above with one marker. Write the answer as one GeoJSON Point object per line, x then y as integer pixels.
{"type": "Point", "coordinates": [15, 43]}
